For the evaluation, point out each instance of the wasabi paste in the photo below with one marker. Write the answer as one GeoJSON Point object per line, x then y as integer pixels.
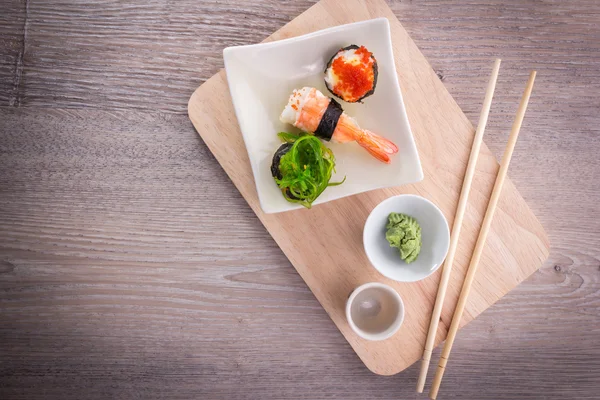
{"type": "Point", "coordinates": [404, 233]}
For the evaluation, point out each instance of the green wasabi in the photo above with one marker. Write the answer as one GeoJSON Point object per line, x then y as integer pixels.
{"type": "Point", "coordinates": [404, 232]}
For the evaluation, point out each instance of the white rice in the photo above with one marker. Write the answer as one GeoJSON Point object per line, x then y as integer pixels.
{"type": "Point", "coordinates": [298, 97]}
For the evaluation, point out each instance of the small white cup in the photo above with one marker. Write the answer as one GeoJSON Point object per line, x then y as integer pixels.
{"type": "Point", "coordinates": [375, 311]}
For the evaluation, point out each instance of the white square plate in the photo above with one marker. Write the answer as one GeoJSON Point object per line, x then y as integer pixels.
{"type": "Point", "coordinates": [261, 78]}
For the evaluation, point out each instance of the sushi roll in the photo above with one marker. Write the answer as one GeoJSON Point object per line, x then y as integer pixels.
{"type": "Point", "coordinates": [351, 74]}
{"type": "Point", "coordinates": [302, 168]}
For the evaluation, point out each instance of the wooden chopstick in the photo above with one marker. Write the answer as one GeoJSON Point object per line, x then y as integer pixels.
{"type": "Point", "coordinates": [485, 227]}
{"type": "Point", "coordinates": [460, 213]}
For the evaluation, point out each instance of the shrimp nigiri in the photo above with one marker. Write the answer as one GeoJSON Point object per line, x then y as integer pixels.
{"type": "Point", "coordinates": [310, 110]}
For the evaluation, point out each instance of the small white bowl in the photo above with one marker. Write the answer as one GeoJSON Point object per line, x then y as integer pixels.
{"type": "Point", "coordinates": [434, 232]}
{"type": "Point", "coordinates": [375, 311]}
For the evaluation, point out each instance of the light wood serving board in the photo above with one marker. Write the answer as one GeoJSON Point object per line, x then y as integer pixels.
{"type": "Point", "coordinates": [325, 243]}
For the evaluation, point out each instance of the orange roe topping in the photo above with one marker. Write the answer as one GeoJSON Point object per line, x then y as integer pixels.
{"type": "Point", "coordinates": [295, 107]}
{"type": "Point", "coordinates": [354, 80]}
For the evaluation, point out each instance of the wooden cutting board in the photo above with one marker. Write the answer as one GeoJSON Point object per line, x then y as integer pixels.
{"type": "Point", "coordinates": [325, 243]}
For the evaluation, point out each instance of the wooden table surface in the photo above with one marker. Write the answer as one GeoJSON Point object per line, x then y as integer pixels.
{"type": "Point", "coordinates": [130, 267]}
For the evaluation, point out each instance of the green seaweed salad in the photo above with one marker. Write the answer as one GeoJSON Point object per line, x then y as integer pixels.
{"type": "Point", "coordinates": [302, 168]}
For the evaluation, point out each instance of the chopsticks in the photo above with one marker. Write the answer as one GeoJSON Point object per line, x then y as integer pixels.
{"type": "Point", "coordinates": [460, 213]}
{"type": "Point", "coordinates": [485, 227]}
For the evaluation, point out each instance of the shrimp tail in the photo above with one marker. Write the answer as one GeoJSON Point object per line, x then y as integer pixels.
{"type": "Point", "coordinates": [379, 147]}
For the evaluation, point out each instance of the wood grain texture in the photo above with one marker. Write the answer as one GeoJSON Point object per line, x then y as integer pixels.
{"type": "Point", "coordinates": [13, 31]}
{"type": "Point", "coordinates": [325, 243]}
{"type": "Point", "coordinates": [113, 283]}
